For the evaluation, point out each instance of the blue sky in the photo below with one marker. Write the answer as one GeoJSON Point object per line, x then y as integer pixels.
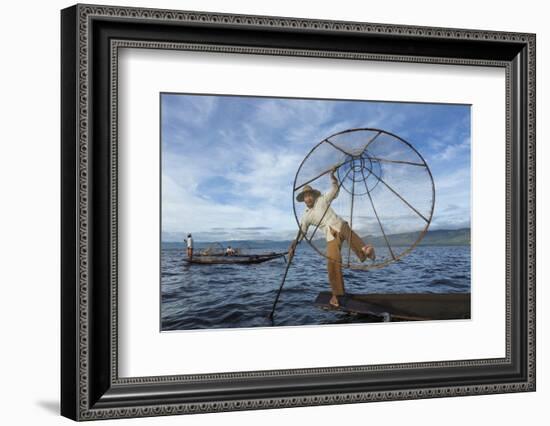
{"type": "Point", "coordinates": [229, 162]}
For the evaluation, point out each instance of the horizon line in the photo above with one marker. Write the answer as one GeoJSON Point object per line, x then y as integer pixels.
{"type": "Point", "coordinates": [290, 239]}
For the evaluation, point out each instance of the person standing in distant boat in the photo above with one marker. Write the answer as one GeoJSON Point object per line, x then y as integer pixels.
{"type": "Point", "coordinates": [229, 251]}
{"type": "Point", "coordinates": [318, 212]}
{"type": "Point", "coordinates": [189, 246]}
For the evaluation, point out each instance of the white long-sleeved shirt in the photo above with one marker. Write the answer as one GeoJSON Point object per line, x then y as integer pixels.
{"type": "Point", "coordinates": [313, 215]}
{"type": "Point", "coordinates": [189, 242]}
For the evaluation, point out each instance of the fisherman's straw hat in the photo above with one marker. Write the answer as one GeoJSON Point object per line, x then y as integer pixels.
{"type": "Point", "coordinates": [306, 188]}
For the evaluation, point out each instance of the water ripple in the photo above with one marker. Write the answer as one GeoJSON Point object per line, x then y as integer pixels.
{"type": "Point", "coordinates": [229, 296]}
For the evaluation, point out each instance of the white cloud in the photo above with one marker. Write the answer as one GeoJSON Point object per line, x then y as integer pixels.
{"type": "Point", "coordinates": [451, 151]}
{"type": "Point", "coordinates": [195, 110]}
{"type": "Point", "coordinates": [283, 114]}
{"type": "Point", "coordinates": [457, 180]}
{"type": "Point", "coordinates": [261, 167]}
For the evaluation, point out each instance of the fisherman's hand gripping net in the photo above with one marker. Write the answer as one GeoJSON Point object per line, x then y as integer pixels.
{"type": "Point", "coordinates": [386, 193]}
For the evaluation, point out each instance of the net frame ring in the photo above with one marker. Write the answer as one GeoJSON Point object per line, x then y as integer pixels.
{"type": "Point", "coordinates": [362, 166]}
{"type": "Point", "coordinates": [359, 161]}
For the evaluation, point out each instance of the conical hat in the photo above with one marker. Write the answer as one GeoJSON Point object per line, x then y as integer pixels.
{"type": "Point", "coordinates": [307, 188]}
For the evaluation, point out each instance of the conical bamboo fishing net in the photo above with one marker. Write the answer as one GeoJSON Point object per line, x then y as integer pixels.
{"type": "Point", "coordinates": [386, 193]}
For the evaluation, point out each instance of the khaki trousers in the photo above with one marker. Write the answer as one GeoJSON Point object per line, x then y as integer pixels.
{"type": "Point", "coordinates": [334, 256]}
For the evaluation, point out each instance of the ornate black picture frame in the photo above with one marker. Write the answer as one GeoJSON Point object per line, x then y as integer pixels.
{"type": "Point", "coordinates": [90, 385]}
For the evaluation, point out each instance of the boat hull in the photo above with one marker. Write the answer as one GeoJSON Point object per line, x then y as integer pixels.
{"type": "Point", "coordinates": [232, 260]}
{"type": "Point", "coordinates": [403, 306]}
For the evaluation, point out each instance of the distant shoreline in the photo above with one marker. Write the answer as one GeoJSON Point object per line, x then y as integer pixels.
{"type": "Point", "coordinates": [441, 237]}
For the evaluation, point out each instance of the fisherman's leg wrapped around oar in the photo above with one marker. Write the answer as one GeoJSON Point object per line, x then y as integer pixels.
{"type": "Point", "coordinates": [359, 247]}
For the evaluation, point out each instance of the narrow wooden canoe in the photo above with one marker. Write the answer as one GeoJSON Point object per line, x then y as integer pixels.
{"type": "Point", "coordinates": [403, 306]}
{"type": "Point", "coordinates": [233, 260]}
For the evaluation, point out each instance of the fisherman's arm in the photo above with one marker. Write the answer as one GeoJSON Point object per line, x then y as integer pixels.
{"type": "Point", "coordinates": [335, 188]}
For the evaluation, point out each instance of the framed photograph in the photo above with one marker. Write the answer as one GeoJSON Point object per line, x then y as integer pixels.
{"type": "Point", "coordinates": [263, 212]}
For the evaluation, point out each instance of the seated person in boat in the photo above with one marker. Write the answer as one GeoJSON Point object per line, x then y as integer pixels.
{"type": "Point", "coordinates": [189, 246]}
{"type": "Point", "coordinates": [229, 251]}
{"type": "Point", "coordinates": [318, 212]}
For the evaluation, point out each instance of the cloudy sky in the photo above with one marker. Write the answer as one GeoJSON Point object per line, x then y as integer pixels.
{"type": "Point", "coordinates": [229, 162]}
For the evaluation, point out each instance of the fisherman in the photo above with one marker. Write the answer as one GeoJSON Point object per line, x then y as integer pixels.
{"type": "Point", "coordinates": [189, 246]}
{"type": "Point", "coordinates": [318, 212]}
{"type": "Point", "coordinates": [229, 251]}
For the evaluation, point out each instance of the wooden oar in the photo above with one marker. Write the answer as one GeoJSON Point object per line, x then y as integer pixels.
{"type": "Point", "coordinates": [270, 316]}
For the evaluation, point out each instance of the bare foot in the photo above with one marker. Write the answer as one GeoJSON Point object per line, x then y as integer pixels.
{"type": "Point", "coordinates": [334, 301]}
{"type": "Point", "coordinates": [369, 252]}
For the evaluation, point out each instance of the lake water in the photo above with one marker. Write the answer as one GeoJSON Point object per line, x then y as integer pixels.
{"type": "Point", "coordinates": [229, 296]}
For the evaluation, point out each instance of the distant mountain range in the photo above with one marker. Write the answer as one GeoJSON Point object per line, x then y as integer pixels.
{"type": "Point", "coordinates": [439, 237]}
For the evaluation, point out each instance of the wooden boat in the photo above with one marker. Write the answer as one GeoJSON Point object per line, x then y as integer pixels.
{"type": "Point", "coordinates": [237, 259]}
{"type": "Point", "coordinates": [402, 306]}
